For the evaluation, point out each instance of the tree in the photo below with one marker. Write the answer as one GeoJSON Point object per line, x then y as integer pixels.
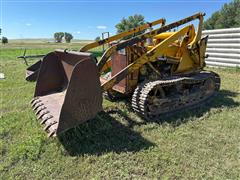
{"type": "Point", "coordinates": [68, 37]}
{"type": "Point", "coordinates": [210, 23]}
{"type": "Point", "coordinates": [97, 38]}
{"type": "Point", "coordinates": [4, 40]}
{"type": "Point", "coordinates": [130, 23]}
{"type": "Point", "coordinates": [227, 17]}
{"type": "Point", "coordinates": [58, 37]}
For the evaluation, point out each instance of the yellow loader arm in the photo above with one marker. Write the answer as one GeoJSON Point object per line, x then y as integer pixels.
{"type": "Point", "coordinates": [151, 34]}
{"type": "Point", "coordinates": [150, 56]}
{"type": "Point", "coordinates": [122, 35]}
{"type": "Point", "coordinates": [155, 52]}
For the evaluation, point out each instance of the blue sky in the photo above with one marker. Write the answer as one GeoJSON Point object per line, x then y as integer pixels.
{"type": "Point", "coordinates": [87, 19]}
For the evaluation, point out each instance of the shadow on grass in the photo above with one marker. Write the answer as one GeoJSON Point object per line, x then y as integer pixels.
{"type": "Point", "coordinates": [223, 98]}
{"type": "Point", "coordinates": [100, 135]}
{"type": "Point", "coordinates": [106, 134]}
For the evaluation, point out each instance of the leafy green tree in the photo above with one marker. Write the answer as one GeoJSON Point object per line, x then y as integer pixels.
{"type": "Point", "coordinates": [97, 38]}
{"type": "Point", "coordinates": [130, 23]}
{"type": "Point", "coordinates": [58, 37]}
{"type": "Point", "coordinates": [227, 17]}
{"type": "Point", "coordinates": [4, 40]}
{"type": "Point", "coordinates": [68, 37]}
{"type": "Point", "coordinates": [210, 23]}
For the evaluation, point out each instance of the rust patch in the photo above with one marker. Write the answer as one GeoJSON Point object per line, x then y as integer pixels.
{"type": "Point", "coordinates": [68, 91]}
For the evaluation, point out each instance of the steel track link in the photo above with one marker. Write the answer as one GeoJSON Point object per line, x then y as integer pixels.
{"type": "Point", "coordinates": [141, 93]}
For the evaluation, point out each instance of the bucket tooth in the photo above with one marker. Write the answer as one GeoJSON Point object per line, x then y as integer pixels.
{"type": "Point", "coordinates": [52, 134]}
{"type": "Point", "coordinates": [37, 106]}
{"type": "Point", "coordinates": [35, 102]}
{"type": "Point", "coordinates": [48, 125]}
{"type": "Point", "coordinates": [42, 113]}
{"type": "Point", "coordinates": [44, 119]}
{"type": "Point", "coordinates": [34, 99]}
{"type": "Point", "coordinates": [52, 130]}
{"type": "Point", "coordinates": [38, 110]}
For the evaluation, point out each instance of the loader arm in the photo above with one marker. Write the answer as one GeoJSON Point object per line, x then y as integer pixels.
{"type": "Point", "coordinates": [121, 35]}
{"type": "Point", "coordinates": [144, 36]}
{"type": "Point", "coordinates": [199, 31]}
{"type": "Point", "coordinates": [150, 56]}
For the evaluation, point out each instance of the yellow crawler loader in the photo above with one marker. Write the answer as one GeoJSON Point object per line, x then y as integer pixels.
{"type": "Point", "coordinates": [160, 71]}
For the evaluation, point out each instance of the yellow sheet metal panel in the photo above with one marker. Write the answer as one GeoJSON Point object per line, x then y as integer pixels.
{"type": "Point", "coordinates": [163, 35]}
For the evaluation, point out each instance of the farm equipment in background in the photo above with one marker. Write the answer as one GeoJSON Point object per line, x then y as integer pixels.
{"type": "Point", "coordinates": [31, 71]}
{"type": "Point", "coordinates": [103, 37]}
{"type": "Point", "coordinates": [159, 71]}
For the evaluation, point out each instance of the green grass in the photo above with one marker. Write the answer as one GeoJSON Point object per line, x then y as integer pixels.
{"type": "Point", "coordinates": [198, 143]}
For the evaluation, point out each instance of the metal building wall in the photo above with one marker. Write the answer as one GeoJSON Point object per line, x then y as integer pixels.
{"type": "Point", "coordinates": [223, 47]}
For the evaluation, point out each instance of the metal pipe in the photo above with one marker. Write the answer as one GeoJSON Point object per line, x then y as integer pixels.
{"type": "Point", "coordinates": [209, 63]}
{"type": "Point", "coordinates": [222, 31]}
{"type": "Point", "coordinates": [222, 50]}
{"type": "Point", "coordinates": [32, 56]}
{"type": "Point", "coordinates": [224, 60]}
{"type": "Point", "coordinates": [225, 41]}
{"type": "Point", "coordinates": [153, 68]}
{"type": "Point", "coordinates": [224, 55]}
{"type": "Point", "coordinates": [225, 45]}
{"type": "Point", "coordinates": [223, 36]}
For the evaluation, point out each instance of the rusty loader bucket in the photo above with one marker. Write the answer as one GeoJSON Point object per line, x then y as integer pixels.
{"type": "Point", "coordinates": [68, 91]}
{"type": "Point", "coordinates": [32, 71]}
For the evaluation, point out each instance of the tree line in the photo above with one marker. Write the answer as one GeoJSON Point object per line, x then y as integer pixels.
{"type": "Point", "coordinates": [227, 17]}
{"type": "Point", "coordinates": [58, 36]}
{"type": "Point", "coordinates": [127, 24]}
